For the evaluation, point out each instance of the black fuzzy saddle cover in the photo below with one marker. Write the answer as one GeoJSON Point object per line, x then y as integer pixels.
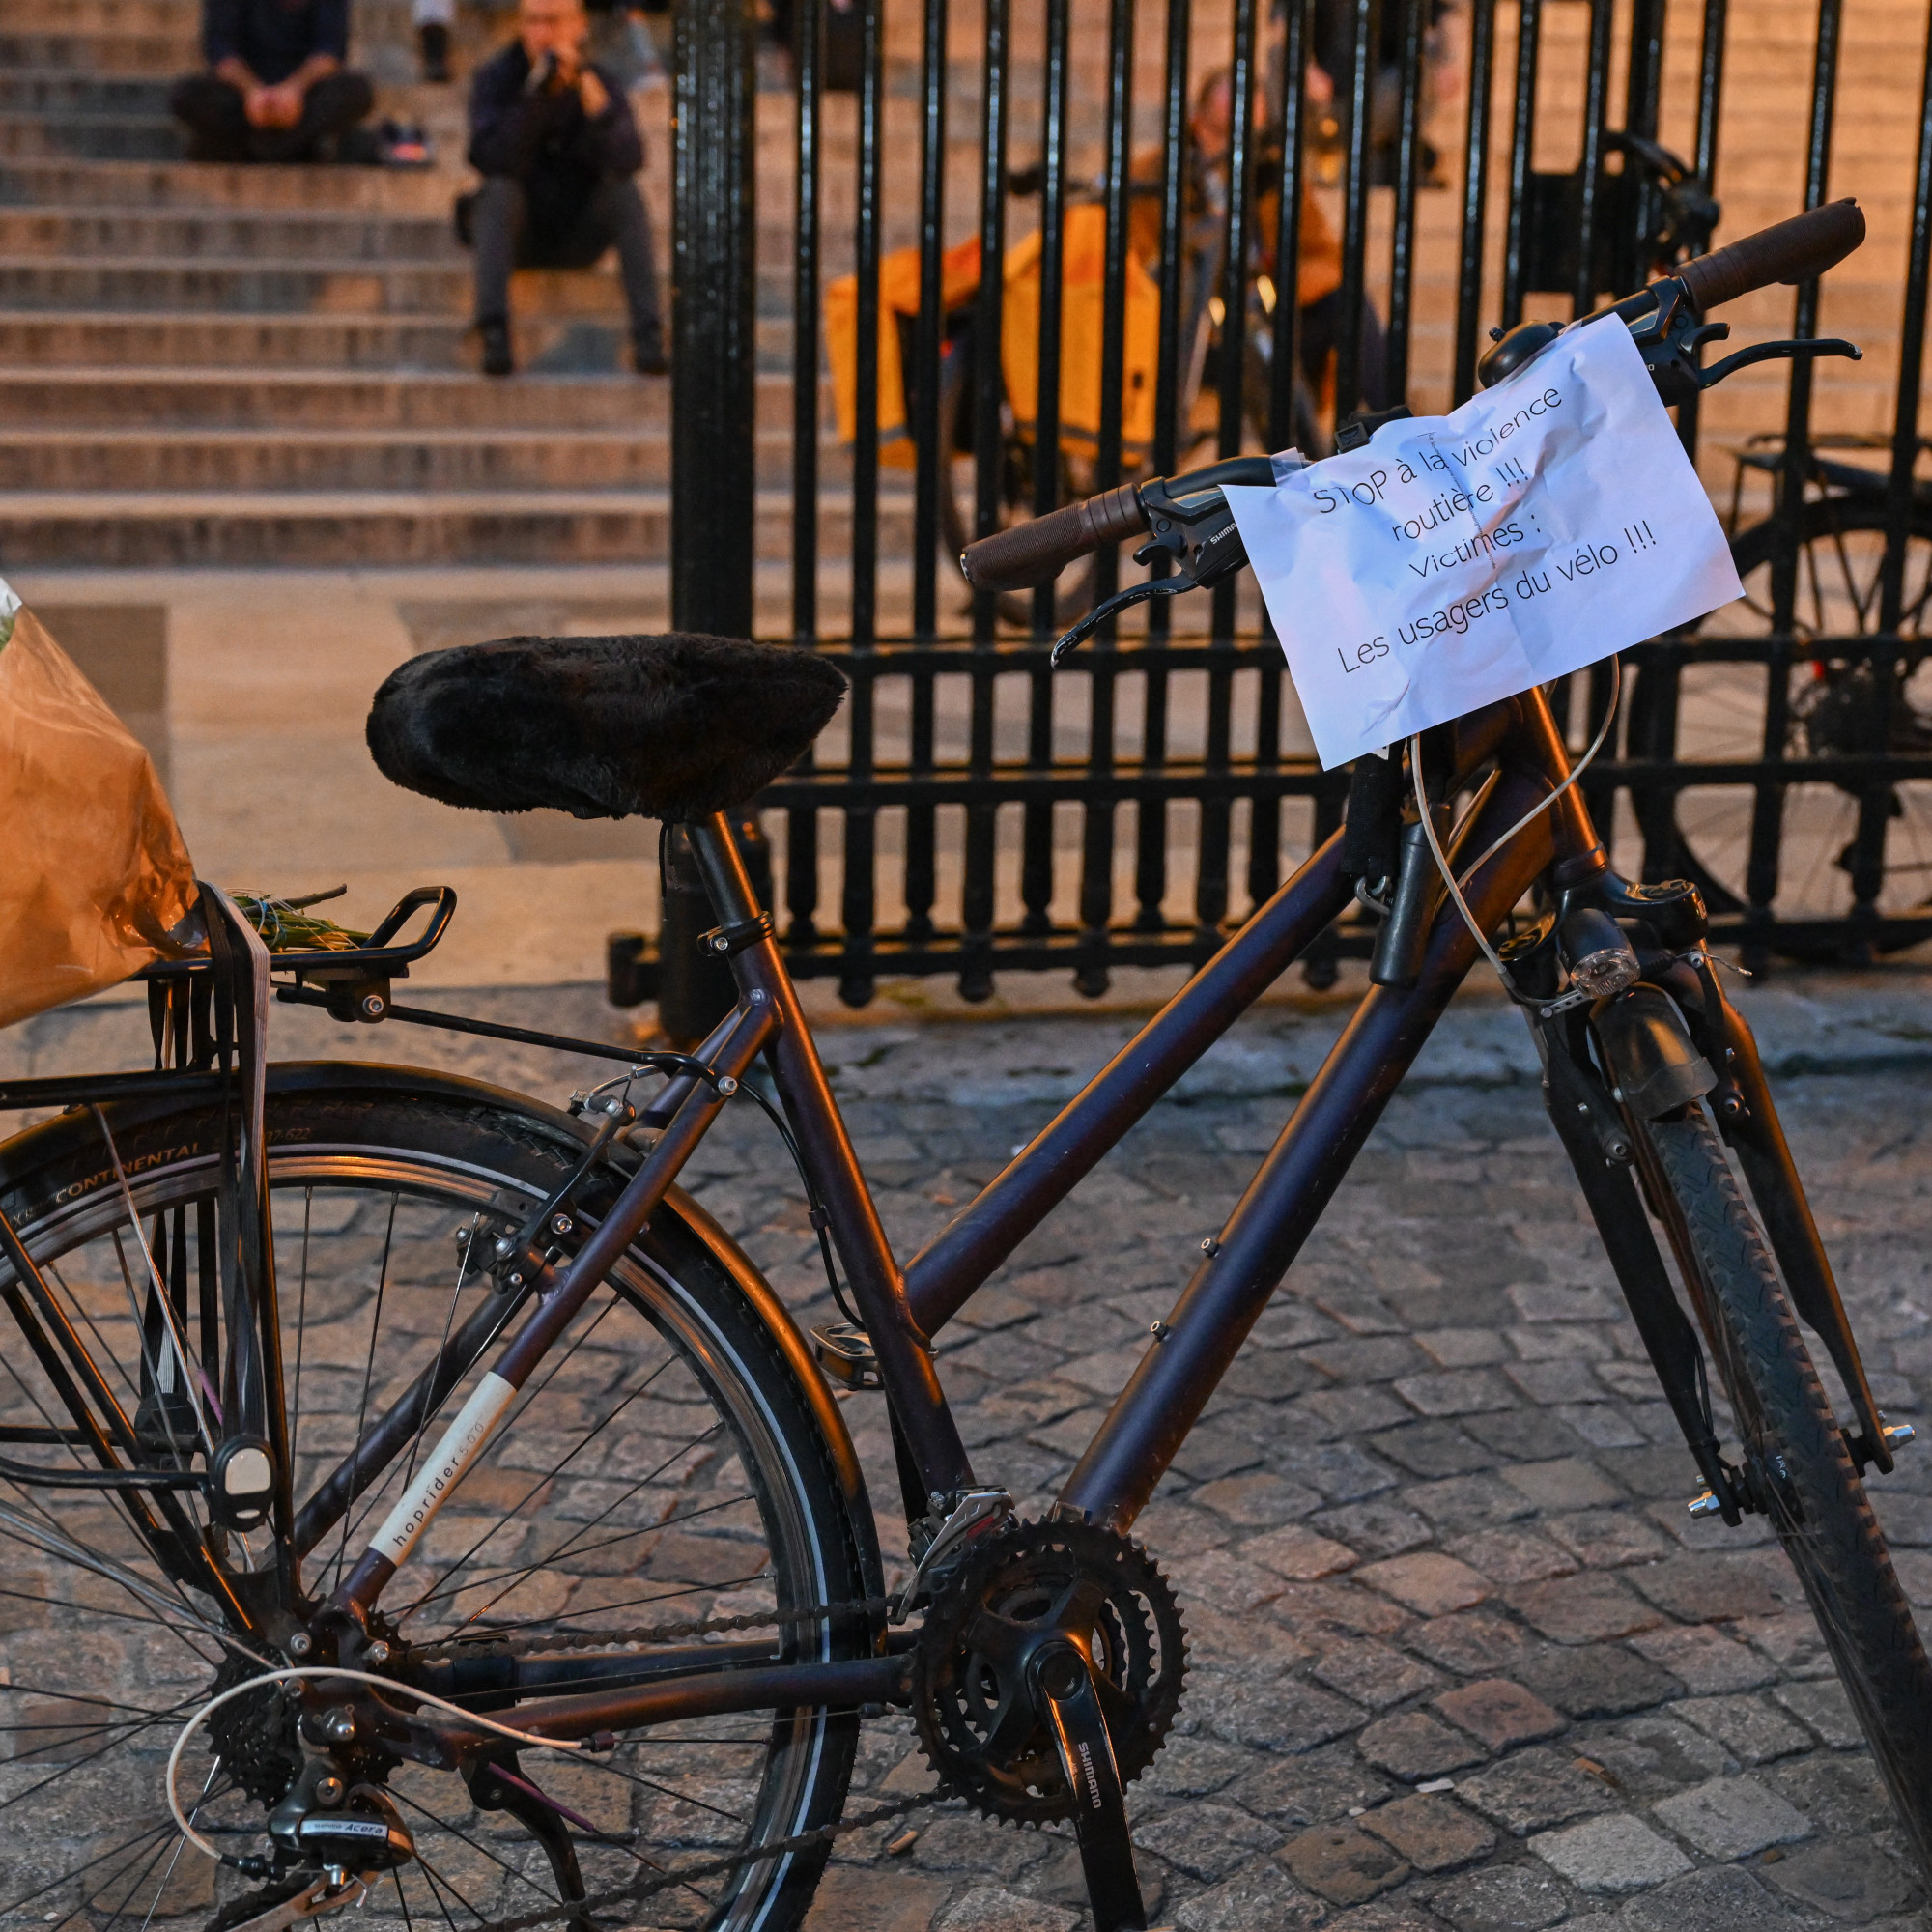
{"type": "Point", "coordinates": [675, 726]}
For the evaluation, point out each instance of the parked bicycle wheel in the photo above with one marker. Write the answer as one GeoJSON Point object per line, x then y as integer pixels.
{"type": "Point", "coordinates": [669, 1462]}
{"type": "Point", "coordinates": [1797, 1465]}
{"type": "Point", "coordinates": [1716, 711]}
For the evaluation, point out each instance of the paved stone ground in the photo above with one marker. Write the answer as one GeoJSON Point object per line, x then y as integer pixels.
{"type": "Point", "coordinates": [1459, 1657]}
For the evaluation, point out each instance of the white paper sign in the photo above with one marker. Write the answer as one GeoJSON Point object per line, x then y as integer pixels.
{"type": "Point", "coordinates": [1460, 559]}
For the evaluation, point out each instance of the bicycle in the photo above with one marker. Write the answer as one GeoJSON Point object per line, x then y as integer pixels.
{"type": "Point", "coordinates": [398, 1523]}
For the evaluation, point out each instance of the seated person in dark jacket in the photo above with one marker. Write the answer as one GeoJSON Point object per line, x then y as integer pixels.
{"type": "Point", "coordinates": [553, 139]}
{"type": "Point", "coordinates": [275, 89]}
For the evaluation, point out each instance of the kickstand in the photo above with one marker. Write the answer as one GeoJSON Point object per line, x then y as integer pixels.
{"type": "Point", "coordinates": [499, 1785]}
{"type": "Point", "coordinates": [1064, 1690]}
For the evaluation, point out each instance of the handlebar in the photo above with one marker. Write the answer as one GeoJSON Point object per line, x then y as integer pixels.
{"type": "Point", "coordinates": [1789, 251]}
{"type": "Point", "coordinates": [1038, 552]}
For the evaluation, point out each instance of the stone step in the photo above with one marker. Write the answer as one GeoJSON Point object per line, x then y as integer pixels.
{"type": "Point", "coordinates": [373, 529]}
{"type": "Point", "coordinates": [47, 91]}
{"type": "Point", "coordinates": [165, 18]}
{"type": "Point", "coordinates": [106, 137]}
{"type": "Point", "coordinates": [286, 235]}
{"type": "Point", "coordinates": [267, 285]}
{"type": "Point", "coordinates": [559, 344]}
{"type": "Point", "coordinates": [103, 52]}
{"type": "Point", "coordinates": [208, 400]}
{"type": "Point", "coordinates": [616, 457]}
{"type": "Point", "coordinates": [197, 185]}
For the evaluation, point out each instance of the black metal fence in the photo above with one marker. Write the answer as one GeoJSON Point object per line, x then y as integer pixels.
{"type": "Point", "coordinates": [1243, 227]}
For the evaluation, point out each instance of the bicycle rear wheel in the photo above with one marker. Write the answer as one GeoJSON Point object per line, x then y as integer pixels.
{"type": "Point", "coordinates": [670, 1460]}
{"type": "Point", "coordinates": [1796, 1459]}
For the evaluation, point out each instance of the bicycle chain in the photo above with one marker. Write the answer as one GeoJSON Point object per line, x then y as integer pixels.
{"type": "Point", "coordinates": [643, 1888]}
{"type": "Point", "coordinates": [860, 1606]}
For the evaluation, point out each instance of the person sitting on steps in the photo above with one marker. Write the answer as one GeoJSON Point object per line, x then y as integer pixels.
{"type": "Point", "coordinates": [433, 20]}
{"type": "Point", "coordinates": [554, 140]}
{"type": "Point", "coordinates": [276, 88]}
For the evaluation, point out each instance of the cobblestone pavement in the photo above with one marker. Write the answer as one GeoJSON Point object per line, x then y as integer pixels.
{"type": "Point", "coordinates": [1459, 1657]}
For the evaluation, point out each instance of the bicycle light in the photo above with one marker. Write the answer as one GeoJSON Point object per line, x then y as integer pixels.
{"type": "Point", "coordinates": [1599, 956]}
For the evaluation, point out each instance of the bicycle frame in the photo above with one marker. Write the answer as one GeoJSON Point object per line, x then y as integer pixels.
{"type": "Point", "coordinates": [903, 1308]}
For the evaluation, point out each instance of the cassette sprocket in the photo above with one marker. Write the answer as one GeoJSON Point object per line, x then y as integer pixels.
{"type": "Point", "coordinates": [1013, 1592]}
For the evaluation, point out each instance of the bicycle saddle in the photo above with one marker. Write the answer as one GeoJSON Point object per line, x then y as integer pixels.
{"type": "Point", "coordinates": [675, 728]}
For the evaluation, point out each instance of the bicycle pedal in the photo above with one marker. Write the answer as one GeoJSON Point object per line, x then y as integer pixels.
{"type": "Point", "coordinates": [845, 1353]}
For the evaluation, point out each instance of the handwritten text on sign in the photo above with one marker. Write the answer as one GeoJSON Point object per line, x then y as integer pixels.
{"type": "Point", "coordinates": [1460, 559]}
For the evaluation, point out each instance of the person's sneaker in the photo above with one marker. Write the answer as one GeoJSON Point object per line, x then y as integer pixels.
{"type": "Point", "coordinates": [498, 359]}
{"type": "Point", "coordinates": [647, 355]}
{"type": "Point", "coordinates": [433, 39]}
{"type": "Point", "coordinates": [404, 145]}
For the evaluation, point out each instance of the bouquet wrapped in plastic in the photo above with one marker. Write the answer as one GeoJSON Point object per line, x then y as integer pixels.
{"type": "Point", "coordinates": [95, 878]}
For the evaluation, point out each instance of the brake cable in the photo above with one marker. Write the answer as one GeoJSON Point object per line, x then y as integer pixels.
{"type": "Point", "coordinates": [1443, 865]}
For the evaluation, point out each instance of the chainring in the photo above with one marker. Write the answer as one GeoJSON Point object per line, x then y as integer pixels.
{"type": "Point", "coordinates": [1014, 1588]}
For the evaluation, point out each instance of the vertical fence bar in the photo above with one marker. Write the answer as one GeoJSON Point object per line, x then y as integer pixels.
{"type": "Point", "coordinates": [1363, 36]}
{"type": "Point", "coordinates": [976, 974]}
{"type": "Point", "coordinates": [1868, 866]}
{"type": "Point", "coordinates": [802, 822]}
{"type": "Point", "coordinates": [866, 441]}
{"type": "Point", "coordinates": [1652, 729]}
{"type": "Point", "coordinates": [1596, 96]}
{"type": "Point", "coordinates": [932, 444]}
{"type": "Point", "coordinates": [1096, 838]}
{"type": "Point", "coordinates": [1285, 360]}
{"type": "Point", "coordinates": [1710, 104]}
{"type": "Point", "coordinates": [1476, 192]}
{"type": "Point", "coordinates": [714, 365]}
{"type": "Point", "coordinates": [1036, 814]}
{"type": "Point", "coordinates": [1767, 805]}
{"type": "Point", "coordinates": [1151, 815]}
{"type": "Point", "coordinates": [1284, 429]}
{"type": "Point", "coordinates": [1407, 174]}
{"type": "Point", "coordinates": [860, 908]}
{"type": "Point", "coordinates": [1211, 893]}
{"type": "Point", "coordinates": [1523, 150]}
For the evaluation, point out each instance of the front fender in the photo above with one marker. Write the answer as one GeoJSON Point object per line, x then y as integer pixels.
{"type": "Point", "coordinates": [1655, 1067]}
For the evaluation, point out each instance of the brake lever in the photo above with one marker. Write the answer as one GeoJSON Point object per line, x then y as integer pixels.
{"type": "Point", "coordinates": [1198, 535]}
{"type": "Point", "coordinates": [1108, 607]}
{"type": "Point", "coordinates": [1766, 352]}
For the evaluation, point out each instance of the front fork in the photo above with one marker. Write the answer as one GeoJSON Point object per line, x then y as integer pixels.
{"type": "Point", "coordinates": [1603, 1134]}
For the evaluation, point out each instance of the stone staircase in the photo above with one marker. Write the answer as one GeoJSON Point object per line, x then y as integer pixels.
{"type": "Point", "coordinates": [220, 365]}
{"type": "Point", "coordinates": [257, 366]}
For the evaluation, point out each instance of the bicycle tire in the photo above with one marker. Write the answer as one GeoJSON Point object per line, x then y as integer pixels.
{"type": "Point", "coordinates": [1818, 1506]}
{"type": "Point", "coordinates": [447, 1149]}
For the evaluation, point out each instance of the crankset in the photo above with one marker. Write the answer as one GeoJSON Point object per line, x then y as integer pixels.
{"type": "Point", "coordinates": [1031, 1592]}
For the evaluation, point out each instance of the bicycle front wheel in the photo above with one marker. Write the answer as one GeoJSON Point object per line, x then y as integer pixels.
{"type": "Point", "coordinates": [1801, 1469]}
{"type": "Point", "coordinates": [672, 1461]}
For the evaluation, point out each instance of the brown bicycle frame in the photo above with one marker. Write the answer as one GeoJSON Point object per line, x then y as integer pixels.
{"type": "Point", "coordinates": [903, 1308]}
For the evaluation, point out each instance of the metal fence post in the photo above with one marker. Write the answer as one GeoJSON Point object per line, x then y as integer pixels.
{"type": "Point", "coordinates": [714, 394]}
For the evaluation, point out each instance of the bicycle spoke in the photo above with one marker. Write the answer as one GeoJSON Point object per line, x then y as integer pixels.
{"type": "Point", "coordinates": [570, 1545]}
{"type": "Point", "coordinates": [301, 1328]}
{"type": "Point", "coordinates": [443, 1825]}
{"type": "Point", "coordinates": [369, 1365]}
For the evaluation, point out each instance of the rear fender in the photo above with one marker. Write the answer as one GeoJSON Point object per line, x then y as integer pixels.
{"type": "Point", "coordinates": [76, 1135]}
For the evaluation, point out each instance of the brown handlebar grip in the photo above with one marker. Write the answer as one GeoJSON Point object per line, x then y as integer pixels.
{"type": "Point", "coordinates": [1788, 251]}
{"type": "Point", "coordinates": [1038, 552]}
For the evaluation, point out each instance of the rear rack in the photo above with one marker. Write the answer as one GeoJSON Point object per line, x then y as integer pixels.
{"type": "Point", "coordinates": [354, 981]}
